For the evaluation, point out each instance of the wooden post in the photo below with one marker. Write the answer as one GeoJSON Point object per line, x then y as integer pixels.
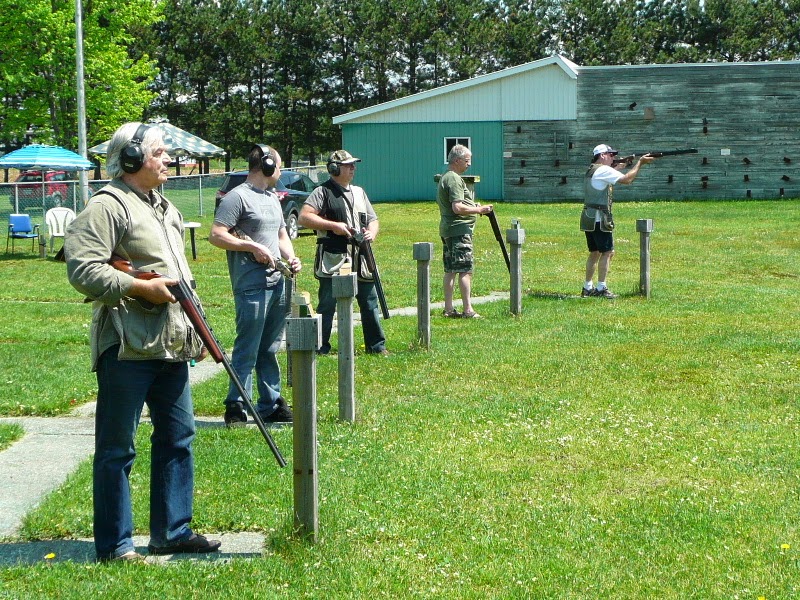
{"type": "Point", "coordinates": [516, 237]}
{"type": "Point", "coordinates": [422, 254]}
{"type": "Point", "coordinates": [304, 337]}
{"type": "Point", "coordinates": [344, 290]}
{"type": "Point", "coordinates": [644, 227]}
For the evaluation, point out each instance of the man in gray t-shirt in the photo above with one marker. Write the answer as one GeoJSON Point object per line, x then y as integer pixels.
{"type": "Point", "coordinates": [249, 225]}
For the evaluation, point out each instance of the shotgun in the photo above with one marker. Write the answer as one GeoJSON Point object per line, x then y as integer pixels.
{"type": "Point", "coordinates": [632, 158]}
{"type": "Point", "coordinates": [194, 312]}
{"type": "Point", "coordinates": [499, 236]}
{"type": "Point", "coordinates": [290, 286]}
{"type": "Point", "coordinates": [369, 257]}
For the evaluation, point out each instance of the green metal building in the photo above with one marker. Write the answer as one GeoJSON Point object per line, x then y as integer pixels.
{"type": "Point", "coordinates": [531, 129]}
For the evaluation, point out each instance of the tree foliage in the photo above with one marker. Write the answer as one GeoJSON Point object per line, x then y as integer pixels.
{"type": "Point", "coordinates": [240, 71]}
{"type": "Point", "coordinates": [37, 68]}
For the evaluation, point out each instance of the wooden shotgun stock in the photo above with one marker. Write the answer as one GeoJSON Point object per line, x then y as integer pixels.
{"type": "Point", "coordinates": [194, 312]}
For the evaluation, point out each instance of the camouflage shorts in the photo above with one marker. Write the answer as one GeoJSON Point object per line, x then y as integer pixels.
{"type": "Point", "coordinates": [457, 254]}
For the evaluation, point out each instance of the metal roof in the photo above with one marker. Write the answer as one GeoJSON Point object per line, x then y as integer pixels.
{"type": "Point", "coordinates": [542, 89]}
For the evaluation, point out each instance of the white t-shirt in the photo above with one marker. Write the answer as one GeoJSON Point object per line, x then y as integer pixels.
{"type": "Point", "coordinates": [605, 176]}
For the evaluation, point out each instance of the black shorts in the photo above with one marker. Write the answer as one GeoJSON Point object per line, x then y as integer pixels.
{"type": "Point", "coordinates": [599, 241]}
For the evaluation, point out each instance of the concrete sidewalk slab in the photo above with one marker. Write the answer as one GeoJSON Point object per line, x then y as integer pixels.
{"type": "Point", "coordinates": [50, 450]}
{"type": "Point", "coordinates": [40, 462]}
{"type": "Point", "coordinates": [234, 545]}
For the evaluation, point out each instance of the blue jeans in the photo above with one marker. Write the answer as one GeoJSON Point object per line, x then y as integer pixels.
{"type": "Point", "coordinates": [123, 389]}
{"type": "Point", "coordinates": [367, 298]}
{"type": "Point", "coordinates": [260, 320]}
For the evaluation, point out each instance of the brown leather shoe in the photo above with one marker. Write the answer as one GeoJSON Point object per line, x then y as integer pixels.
{"type": "Point", "coordinates": [194, 544]}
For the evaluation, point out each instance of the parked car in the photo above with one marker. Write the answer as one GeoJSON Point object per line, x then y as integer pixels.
{"type": "Point", "coordinates": [293, 188]}
{"type": "Point", "coordinates": [29, 189]}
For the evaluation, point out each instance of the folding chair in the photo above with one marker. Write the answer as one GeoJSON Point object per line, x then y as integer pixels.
{"type": "Point", "coordinates": [21, 228]}
{"type": "Point", "coordinates": [57, 220]}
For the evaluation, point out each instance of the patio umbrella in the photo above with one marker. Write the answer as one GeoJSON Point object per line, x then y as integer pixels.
{"type": "Point", "coordinates": [178, 142]}
{"type": "Point", "coordinates": [45, 158]}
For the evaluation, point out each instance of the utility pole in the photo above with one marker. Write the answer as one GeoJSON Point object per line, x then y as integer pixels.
{"type": "Point", "coordinates": [82, 176]}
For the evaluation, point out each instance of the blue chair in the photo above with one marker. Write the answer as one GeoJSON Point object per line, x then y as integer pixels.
{"type": "Point", "coordinates": [21, 228]}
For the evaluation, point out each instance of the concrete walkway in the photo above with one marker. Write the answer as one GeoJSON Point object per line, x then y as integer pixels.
{"type": "Point", "coordinates": [53, 448]}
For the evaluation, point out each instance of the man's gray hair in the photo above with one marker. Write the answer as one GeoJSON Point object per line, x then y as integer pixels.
{"type": "Point", "coordinates": [456, 152]}
{"type": "Point", "coordinates": [121, 138]}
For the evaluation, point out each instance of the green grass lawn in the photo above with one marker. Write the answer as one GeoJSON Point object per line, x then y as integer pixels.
{"type": "Point", "coordinates": [9, 433]}
{"type": "Point", "coordinates": [585, 449]}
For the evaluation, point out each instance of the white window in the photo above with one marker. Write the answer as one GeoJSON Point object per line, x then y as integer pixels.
{"type": "Point", "coordinates": [449, 142]}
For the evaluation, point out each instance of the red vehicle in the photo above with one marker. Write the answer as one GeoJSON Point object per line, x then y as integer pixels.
{"type": "Point", "coordinates": [28, 191]}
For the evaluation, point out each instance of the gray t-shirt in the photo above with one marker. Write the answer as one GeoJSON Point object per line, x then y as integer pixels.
{"type": "Point", "coordinates": [257, 214]}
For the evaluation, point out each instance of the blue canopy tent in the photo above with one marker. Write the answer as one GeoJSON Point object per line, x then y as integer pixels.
{"type": "Point", "coordinates": [43, 158]}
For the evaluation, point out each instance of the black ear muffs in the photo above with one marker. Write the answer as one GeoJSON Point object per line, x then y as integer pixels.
{"type": "Point", "coordinates": [334, 168]}
{"type": "Point", "coordinates": [268, 164]}
{"type": "Point", "coordinates": [132, 156]}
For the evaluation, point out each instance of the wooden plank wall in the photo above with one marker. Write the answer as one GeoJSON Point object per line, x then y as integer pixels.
{"type": "Point", "coordinates": [743, 119]}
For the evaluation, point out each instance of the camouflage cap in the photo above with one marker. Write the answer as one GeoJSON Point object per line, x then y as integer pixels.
{"type": "Point", "coordinates": [343, 157]}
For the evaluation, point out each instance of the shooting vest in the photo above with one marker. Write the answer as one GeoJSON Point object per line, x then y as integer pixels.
{"type": "Point", "coordinates": [151, 238]}
{"type": "Point", "coordinates": [334, 250]}
{"type": "Point", "coordinates": [596, 202]}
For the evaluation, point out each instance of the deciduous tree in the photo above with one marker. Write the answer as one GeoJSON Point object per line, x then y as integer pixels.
{"type": "Point", "coordinates": [38, 85]}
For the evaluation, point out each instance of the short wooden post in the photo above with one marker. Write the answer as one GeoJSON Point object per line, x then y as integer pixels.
{"type": "Point", "coordinates": [516, 237]}
{"type": "Point", "coordinates": [644, 227]}
{"type": "Point", "coordinates": [345, 288]}
{"type": "Point", "coordinates": [422, 254]}
{"type": "Point", "coordinates": [304, 337]}
{"type": "Point", "coordinates": [42, 246]}
{"type": "Point", "coordinates": [191, 226]}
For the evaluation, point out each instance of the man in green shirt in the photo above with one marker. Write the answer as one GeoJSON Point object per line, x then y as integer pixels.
{"type": "Point", "coordinates": [458, 211]}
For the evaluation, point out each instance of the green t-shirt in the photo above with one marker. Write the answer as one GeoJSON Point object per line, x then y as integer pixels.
{"type": "Point", "coordinates": [453, 189]}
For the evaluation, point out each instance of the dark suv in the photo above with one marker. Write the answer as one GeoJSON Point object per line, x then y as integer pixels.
{"type": "Point", "coordinates": [293, 188]}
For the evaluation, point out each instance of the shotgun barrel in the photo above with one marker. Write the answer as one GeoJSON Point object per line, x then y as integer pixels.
{"type": "Point", "coordinates": [499, 236]}
{"type": "Point", "coordinates": [369, 257]}
{"type": "Point", "coordinates": [194, 312]}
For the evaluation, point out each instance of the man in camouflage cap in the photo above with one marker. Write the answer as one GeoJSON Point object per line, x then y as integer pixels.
{"type": "Point", "coordinates": [337, 210]}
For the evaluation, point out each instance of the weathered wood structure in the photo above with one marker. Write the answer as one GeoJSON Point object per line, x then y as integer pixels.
{"type": "Point", "coordinates": [744, 119]}
{"type": "Point", "coordinates": [532, 129]}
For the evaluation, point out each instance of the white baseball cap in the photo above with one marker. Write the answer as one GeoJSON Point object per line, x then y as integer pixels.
{"type": "Point", "coordinates": [601, 148]}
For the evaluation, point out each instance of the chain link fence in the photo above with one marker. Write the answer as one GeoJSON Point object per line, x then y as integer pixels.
{"type": "Point", "coordinates": [193, 195]}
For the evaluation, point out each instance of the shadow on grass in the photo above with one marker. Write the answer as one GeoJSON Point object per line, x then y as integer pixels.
{"type": "Point", "coordinates": [550, 295]}
{"type": "Point", "coordinates": [234, 545]}
{"type": "Point", "coordinates": [18, 255]}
